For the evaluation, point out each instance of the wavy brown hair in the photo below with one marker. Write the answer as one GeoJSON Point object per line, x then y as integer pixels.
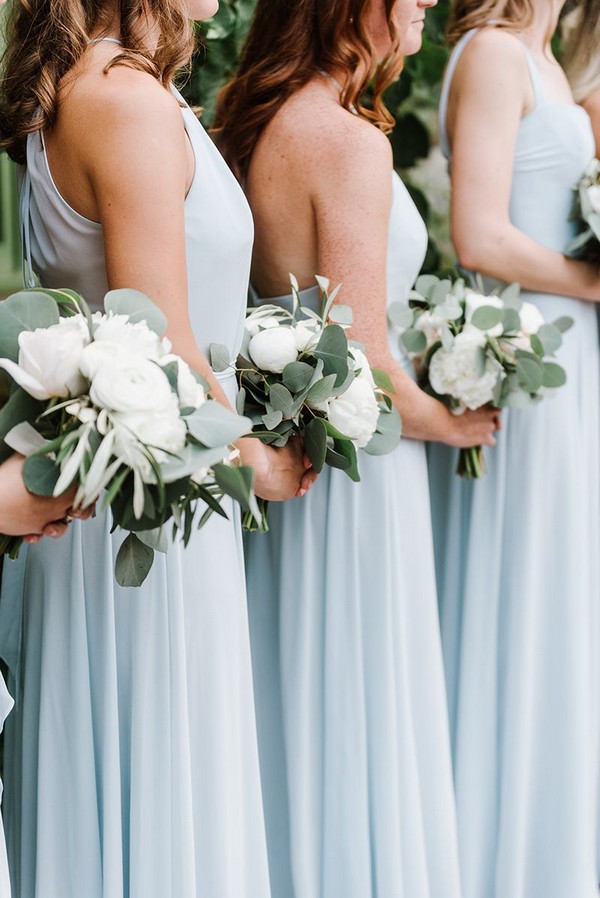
{"type": "Point", "coordinates": [290, 42]}
{"type": "Point", "coordinates": [467, 14]}
{"type": "Point", "coordinates": [46, 38]}
{"type": "Point", "coordinates": [582, 49]}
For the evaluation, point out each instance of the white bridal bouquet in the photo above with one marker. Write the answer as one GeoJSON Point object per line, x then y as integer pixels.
{"type": "Point", "coordinates": [586, 211]}
{"type": "Point", "coordinates": [299, 375]}
{"type": "Point", "coordinates": [101, 402]}
{"type": "Point", "coordinates": [471, 350]}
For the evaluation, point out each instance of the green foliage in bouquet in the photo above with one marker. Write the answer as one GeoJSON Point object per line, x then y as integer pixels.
{"type": "Point", "coordinates": [586, 212]}
{"type": "Point", "coordinates": [101, 404]}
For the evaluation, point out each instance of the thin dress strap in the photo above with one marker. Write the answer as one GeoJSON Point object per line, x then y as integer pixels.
{"type": "Point", "coordinates": [537, 83]}
{"type": "Point", "coordinates": [27, 274]}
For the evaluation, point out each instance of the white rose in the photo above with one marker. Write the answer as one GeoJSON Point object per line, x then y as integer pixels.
{"type": "Point", "coordinates": [136, 339]}
{"type": "Point", "coordinates": [455, 372]}
{"type": "Point", "coordinates": [475, 301]}
{"type": "Point", "coordinates": [274, 348]}
{"type": "Point", "coordinates": [531, 319]}
{"type": "Point", "coordinates": [361, 363]}
{"type": "Point", "coordinates": [307, 336]}
{"type": "Point", "coordinates": [49, 359]}
{"type": "Point", "coordinates": [134, 385]}
{"type": "Point", "coordinates": [355, 413]}
{"type": "Point", "coordinates": [594, 197]}
{"type": "Point", "coordinates": [191, 393]}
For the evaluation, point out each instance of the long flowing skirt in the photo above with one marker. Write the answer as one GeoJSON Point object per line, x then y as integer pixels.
{"type": "Point", "coordinates": [518, 563]}
{"type": "Point", "coordinates": [131, 757]}
{"type": "Point", "coordinates": [351, 707]}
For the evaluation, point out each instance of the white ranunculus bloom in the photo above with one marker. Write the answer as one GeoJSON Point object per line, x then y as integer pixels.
{"type": "Point", "coordinates": [355, 413]}
{"type": "Point", "coordinates": [49, 359]}
{"type": "Point", "coordinates": [159, 430]}
{"type": "Point", "coordinates": [191, 393]}
{"type": "Point", "coordinates": [307, 335]}
{"type": "Point", "coordinates": [531, 319]}
{"type": "Point", "coordinates": [131, 385]}
{"type": "Point", "coordinates": [136, 339]}
{"type": "Point", "coordinates": [258, 320]}
{"type": "Point", "coordinates": [97, 355]}
{"type": "Point", "coordinates": [594, 197]}
{"type": "Point", "coordinates": [455, 372]}
{"type": "Point", "coordinates": [361, 363]}
{"type": "Point", "coordinates": [475, 301]}
{"type": "Point", "coordinates": [274, 348]}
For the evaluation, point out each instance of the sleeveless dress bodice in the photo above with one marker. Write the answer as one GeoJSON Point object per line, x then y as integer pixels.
{"type": "Point", "coordinates": [216, 216]}
{"type": "Point", "coordinates": [517, 556]}
{"type": "Point", "coordinates": [349, 687]}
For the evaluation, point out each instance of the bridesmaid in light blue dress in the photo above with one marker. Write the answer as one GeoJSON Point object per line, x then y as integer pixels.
{"type": "Point", "coordinates": [349, 687]}
{"type": "Point", "coordinates": [131, 757]}
{"type": "Point", "coordinates": [518, 552]}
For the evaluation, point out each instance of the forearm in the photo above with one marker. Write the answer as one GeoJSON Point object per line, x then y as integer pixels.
{"type": "Point", "coordinates": [507, 254]}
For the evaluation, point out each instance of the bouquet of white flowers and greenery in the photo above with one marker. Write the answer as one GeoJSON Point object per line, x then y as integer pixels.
{"type": "Point", "coordinates": [586, 211]}
{"type": "Point", "coordinates": [471, 350]}
{"type": "Point", "coordinates": [100, 402]}
{"type": "Point", "coordinates": [299, 375]}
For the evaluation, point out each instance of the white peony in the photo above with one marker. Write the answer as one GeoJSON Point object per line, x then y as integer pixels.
{"type": "Point", "coordinates": [135, 338]}
{"type": "Point", "coordinates": [531, 319]}
{"type": "Point", "coordinates": [307, 335]}
{"type": "Point", "coordinates": [49, 359]}
{"type": "Point", "coordinates": [98, 355]}
{"type": "Point", "coordinates": [455, 372]}
{"type": "Point", "coordinates": [162, 431]}
{"type": "Point", "coordinates": [593, 193]}
{"type": "Point", "coordinates": [361, 363]}
{"type": "Point", "coordinates": [274, 348]}
{"type": "Point", "coordinates": [191, 393]}
{"type": "Point", "coordinates": [131, 385]}
{"type": "Point", "coordinates": [355, 413]}
{"type": "Point", "coordinates": [474, 301]}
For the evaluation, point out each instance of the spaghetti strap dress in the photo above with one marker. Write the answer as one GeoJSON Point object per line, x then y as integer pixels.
{"type": "Point", "coordinates": [518, 566]}
{"type": "Point", "coordinates": [131, 763]}
{"type": "Point", "coordinates": [350, 699]}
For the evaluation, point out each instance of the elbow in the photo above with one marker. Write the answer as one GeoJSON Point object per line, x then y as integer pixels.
{"type": "Point", "coordinates": [479, 250]}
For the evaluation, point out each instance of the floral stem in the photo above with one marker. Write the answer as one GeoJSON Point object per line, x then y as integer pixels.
{"type": "Point", "coordinates": [249, 522]}
{"type": "Point", "coordinates": [471, 463]}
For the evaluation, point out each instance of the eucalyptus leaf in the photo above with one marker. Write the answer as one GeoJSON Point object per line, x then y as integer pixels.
{"type": "Point", "coordinates": [237, 482]}
{"type": "Point", "coordinates": [550, 337]}
{"type": "Point", "coordinates": [530, 373]}
{"type": "Point", "coordinates": [219, 357]}
{"type": "Point", "coordinates": [156, 539]}
{"type": "Point", "coordinates": [214, 425]}
{"type": "Point", "coordinates": [341, 314]}
{"type": "Point", "coordinates": [315, 442]}
{"type": "Point", "coordinates": [240, 401]}
{"type": "Point", "coordinates": [511, 296]}
{"type": "Point", "coordinates": [563, 324]}
{"type": "Point", "coordinates": [20, 407]}
{"type": "Point", "coordinates": [297, 376]}
{"type": "Point", "coordinates": [383, 380]}
{"type": "Point", "coordinates": [133, 562]}
{"type": "Point", "coordinates": [40, 475]}
{"type": "Point", "coordinates": [281, 399]}
{"type": "Point", "coordinates": [272, 418]}
{"type": "Point", "coordinates": [388, 433]}
{"type": "Point", "coordinates": [426, 284]}
{"type": "Point", "coordinates": [332, 349]}
{"type": "Point", "coordinates": [138, 307]}
{"type": "Point", "coordinates": [192, 458]}
{"type": "Point", "coordinates": [439, 294]}
{"type": "Point", "coordinates": [487, 317]}
{"type": "Point", "coordinates": [322, 390]}
{"type": "Point", "coordinates": [414, 340]}
{"type": "Point", "coordinates": [400, 315]}
{"type": "Point", "coordinates": [554, 375]}
{"type": "Point", "coordinates": [24, 311]}
{"type": "Point", "coordinates": [511, 320]}
{"type": "Point", "coordinates": [345, 449]}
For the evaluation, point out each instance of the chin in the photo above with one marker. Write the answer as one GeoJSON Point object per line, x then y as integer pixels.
{"type": "Point", "coordinates": [202, 9]}
{"type": "Point", "coordinates": [413, 42]}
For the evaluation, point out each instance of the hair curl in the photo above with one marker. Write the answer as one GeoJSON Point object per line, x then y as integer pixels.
{"type": "Point", "coordinates": [46, 38]}
{"type": "Point", "coordinates": [290, 41]}
{"type": "Point", "coordinates": [467, 14]}
{"type": "Point", "coordinates": [582, 49]}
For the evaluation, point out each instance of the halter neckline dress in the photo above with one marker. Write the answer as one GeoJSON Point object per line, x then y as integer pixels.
{"type": "Point", "coordinates": [518, 556]}
{"type": "Point", "coordinates": [131, 760]}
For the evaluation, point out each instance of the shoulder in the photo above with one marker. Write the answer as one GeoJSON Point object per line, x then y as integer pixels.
{"type": "Point", "coordinates": [122, 100]}
{"type": "Point", "coordinates": [328, 140]}
{"type": "Point", "coordinates": [491, 54]}
{"type": "Point", "coordinates": [592, 103]}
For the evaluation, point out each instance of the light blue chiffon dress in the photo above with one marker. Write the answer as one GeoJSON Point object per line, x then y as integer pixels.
{"type": "Point", "coordinates": [131, 757]}
{"type": "Point", "coordinates": [518, 556]}
{"type": "Point", "coordinates": [351, 707]}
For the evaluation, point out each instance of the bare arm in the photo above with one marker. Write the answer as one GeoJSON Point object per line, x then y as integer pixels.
{"type": "Point", "coordinates": [489, 95]}
{"type": "Point", "coordinates": [134, 151]}
{"type": "Point", "coordinates": [352, 200]}
{"type": "Point", "coordinates": [592, 104]}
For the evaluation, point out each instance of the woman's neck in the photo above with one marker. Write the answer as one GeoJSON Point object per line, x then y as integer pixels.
{"type": "Point", "coordinates": [545, 22]}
